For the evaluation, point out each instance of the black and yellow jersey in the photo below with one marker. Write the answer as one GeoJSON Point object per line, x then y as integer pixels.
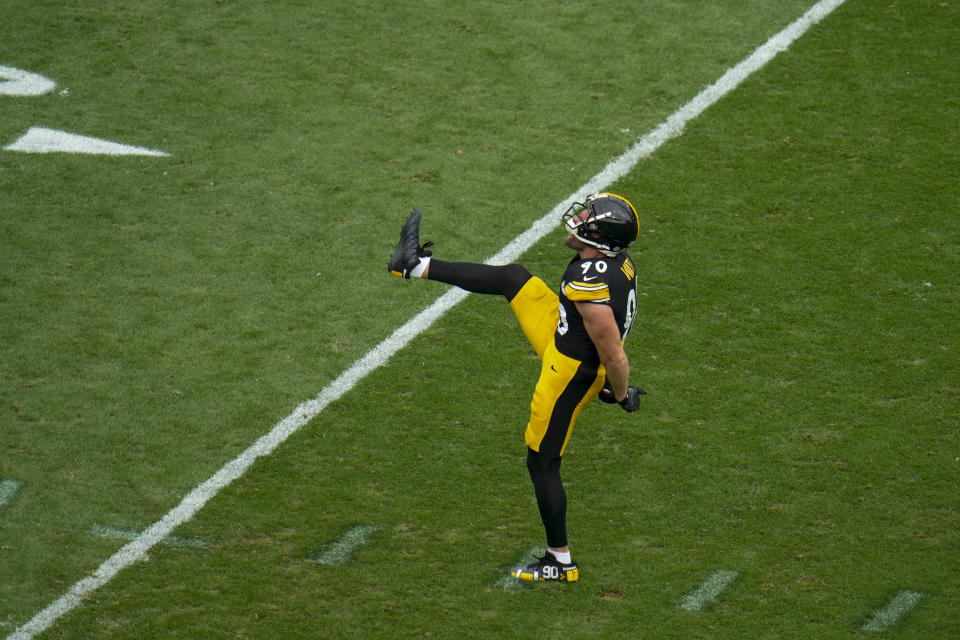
{"type": "Point", "coordinates": [609, 281]}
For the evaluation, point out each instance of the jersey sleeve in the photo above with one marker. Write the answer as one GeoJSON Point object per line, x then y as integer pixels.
{"type": "Point", "coordinates": [588, 284]}
{"type": "Point", "coordinates": [579, 291]}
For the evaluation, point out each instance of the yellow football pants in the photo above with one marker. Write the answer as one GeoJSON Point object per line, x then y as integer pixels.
{"type": "Point", "coordinates": [565, 385]}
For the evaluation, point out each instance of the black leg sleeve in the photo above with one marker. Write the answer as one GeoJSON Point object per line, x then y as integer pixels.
{"type": "Point", "coordinates": [481, 278]}
{"type": "Point", "coordinates": [551, 497]}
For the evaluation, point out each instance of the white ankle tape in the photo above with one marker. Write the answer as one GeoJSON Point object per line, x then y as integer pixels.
{"type": "Point", "coordinates": [417, 271]}
{"type": "Point", "coordinates": [562, 556]}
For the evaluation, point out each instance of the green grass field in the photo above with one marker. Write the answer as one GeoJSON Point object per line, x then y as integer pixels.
{"type": "Point", "coordinates": [798, 332]}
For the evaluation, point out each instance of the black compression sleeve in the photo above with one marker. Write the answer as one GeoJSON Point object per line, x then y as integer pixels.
{"type": "Point", "coordinates": [551, 496]}
{"type": "Point", "coordinates": [480, 278]}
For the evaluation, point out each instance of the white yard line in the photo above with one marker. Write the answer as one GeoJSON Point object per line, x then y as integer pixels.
{"type": "Point", "coordinates": [380, 354]}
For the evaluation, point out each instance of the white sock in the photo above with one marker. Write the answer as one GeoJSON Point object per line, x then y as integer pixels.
{"type": "Point", "coordinates": [417, 271]}
{"type": "Point", "coordinates": [563, 557]}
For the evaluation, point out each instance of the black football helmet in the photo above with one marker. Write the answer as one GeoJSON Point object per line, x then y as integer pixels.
{"type": "Point", "coordinates": [605, 221]}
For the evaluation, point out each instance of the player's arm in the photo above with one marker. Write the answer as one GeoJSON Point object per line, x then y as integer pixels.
{"type": "Point", "coordinates": [603, 331]}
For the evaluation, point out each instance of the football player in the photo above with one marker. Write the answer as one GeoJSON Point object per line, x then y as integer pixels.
{"type": "Point", "coordinates": [578, 334]}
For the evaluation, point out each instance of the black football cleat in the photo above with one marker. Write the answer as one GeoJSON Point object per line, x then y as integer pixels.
{"type": "Point", "coordinates": [409, 251]}
{"type": "Point", "coordinates": [547, 568]}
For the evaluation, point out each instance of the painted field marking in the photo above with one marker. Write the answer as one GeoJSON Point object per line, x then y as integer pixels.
{"type": "Point", "coordinates": [104, 531]}
{"type": "Point", "coordinates": [508, 582]}
{"type": "Point", "coordinates": [43, 140]}
{"type": "Point", "coordinates": [895, 609]}
{"type": "Point", "coordinates": [17, 82]}
{"type": "Point", "coordinates": [9, 492]}
{"type": "Point", "coordinates": [341, 550]}
{"type": "Point", "coordinates": [708, 591]}
{"type": "Point", "coordinates": [381, 354]}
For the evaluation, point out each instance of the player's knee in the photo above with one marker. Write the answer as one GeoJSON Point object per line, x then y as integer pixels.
{"type": "Point", "coordinates": [514, 277]}
{"type": "Point", "coordinates": [542, 466]}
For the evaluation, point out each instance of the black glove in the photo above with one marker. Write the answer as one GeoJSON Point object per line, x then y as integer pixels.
{"type": "Point", "coordinates": [630, 403]}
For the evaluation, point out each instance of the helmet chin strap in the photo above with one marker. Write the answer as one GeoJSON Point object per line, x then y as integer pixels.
{"type": "Point", "coordinates": [606, 252]}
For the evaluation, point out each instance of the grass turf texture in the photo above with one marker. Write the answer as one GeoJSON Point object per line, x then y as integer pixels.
{"type": "Point", "coordinates": [799, 259]}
